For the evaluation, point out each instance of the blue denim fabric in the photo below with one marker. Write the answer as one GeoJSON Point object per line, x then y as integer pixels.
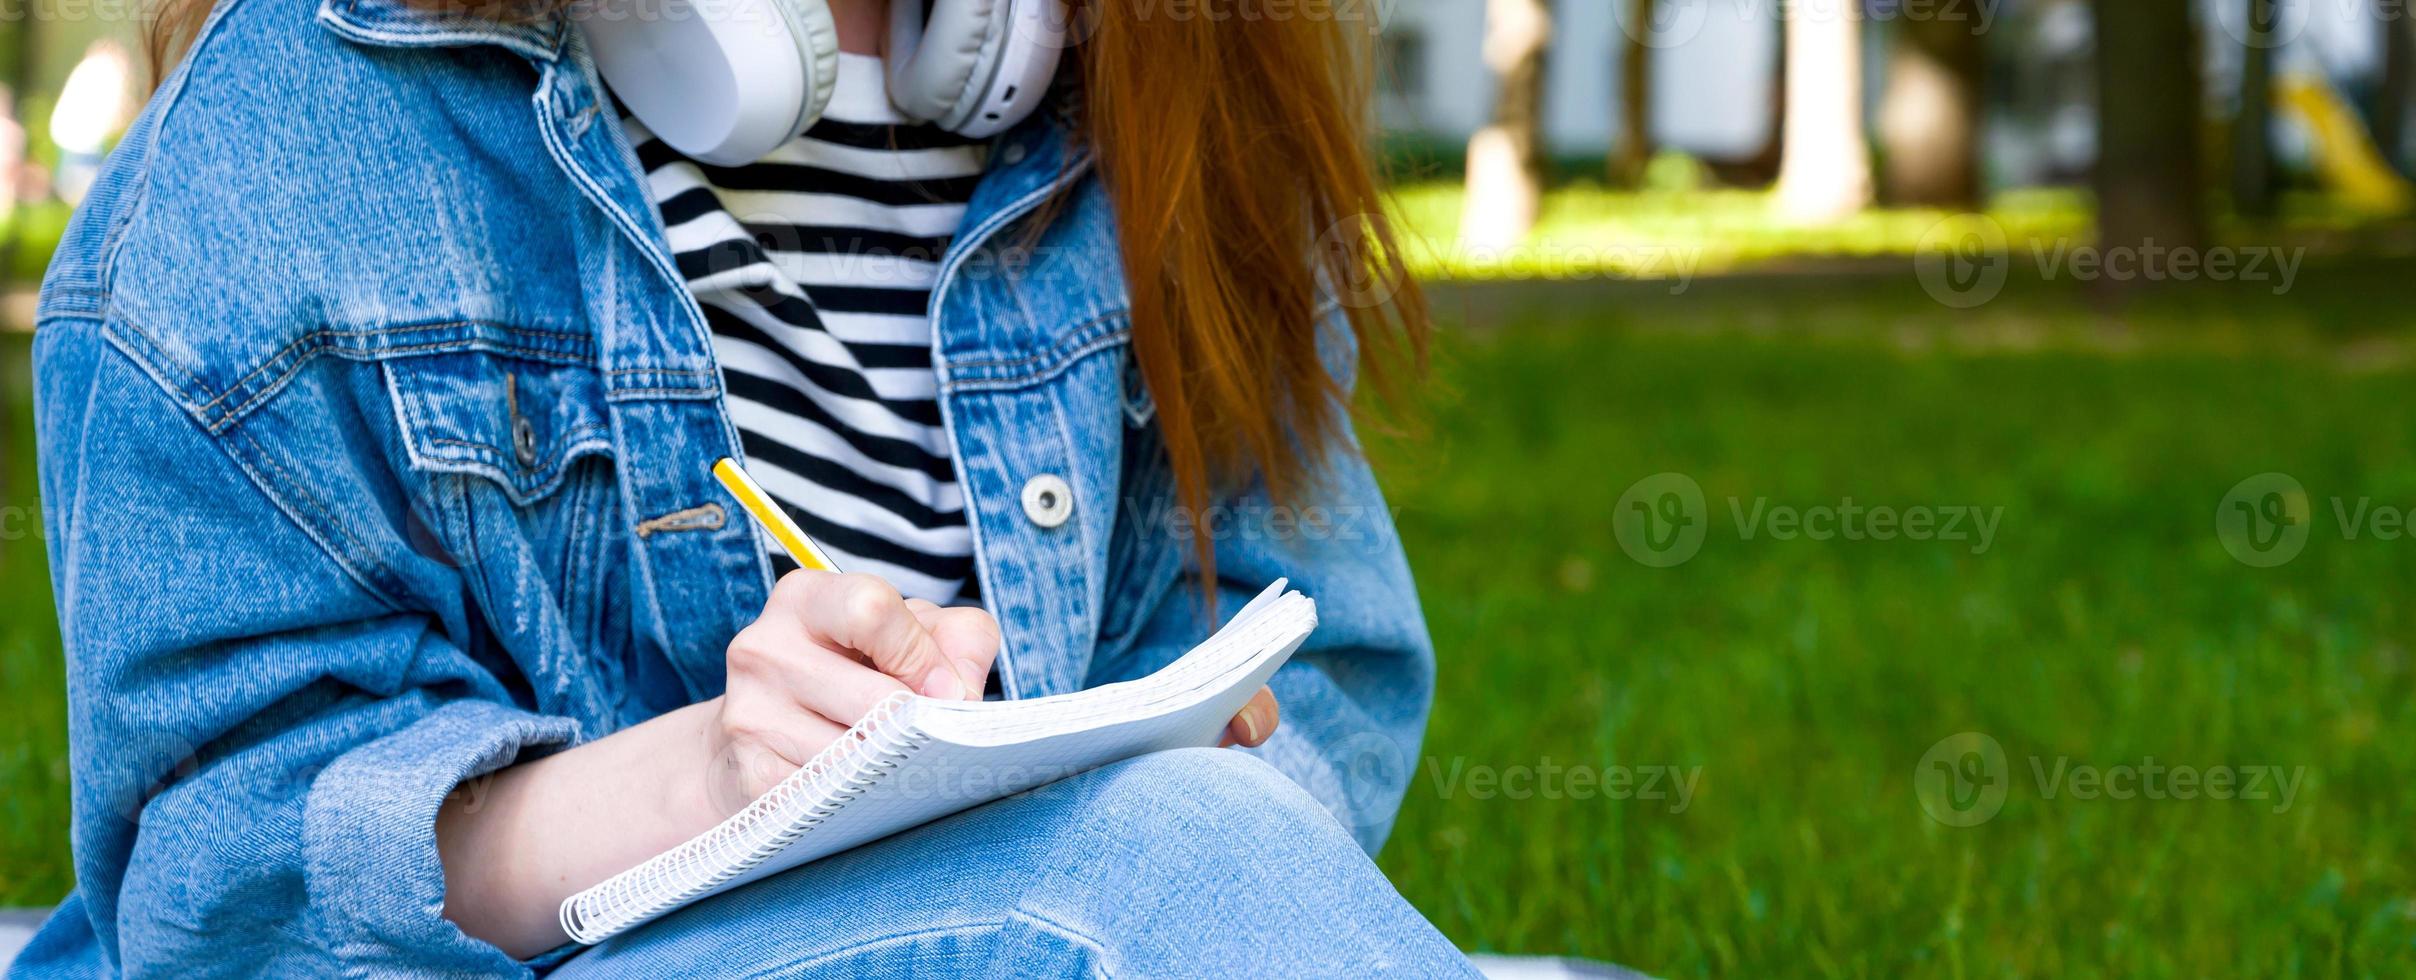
{"type": "Point", "coordinates": [1196, 862]}
{"type": "Point", "coordinates": [375, 425]}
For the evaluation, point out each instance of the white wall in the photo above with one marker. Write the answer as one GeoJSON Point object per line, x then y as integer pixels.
{"type": "Point", "coordinates": [1711, 87]}
{"type": "Point", "coordinates": [1712, 82]}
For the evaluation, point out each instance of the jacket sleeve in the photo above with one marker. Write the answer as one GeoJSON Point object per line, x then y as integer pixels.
{"type": "Point", "coordinates": [1354, 698]}
{"type": "Point", "coordinates": [260, 739]}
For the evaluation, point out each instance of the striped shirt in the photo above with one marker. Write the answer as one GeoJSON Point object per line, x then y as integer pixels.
{"type": "Point", "coordinates": [814, 267]}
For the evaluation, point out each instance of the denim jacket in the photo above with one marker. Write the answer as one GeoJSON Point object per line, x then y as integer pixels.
{"type": "Point", "coordinates": [375, 428]}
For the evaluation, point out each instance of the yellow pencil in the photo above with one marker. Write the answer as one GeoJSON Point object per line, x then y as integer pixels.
{"type": "Point", "coordinates": [775, 521]}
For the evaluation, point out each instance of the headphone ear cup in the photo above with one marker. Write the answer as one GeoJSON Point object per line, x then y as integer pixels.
{"type": "Point", "coordinates": [722, 81]}
{"type": "Point", "coordinates": [935, 60]}
{"type": "Point", "coordinates": [974, 67]}
{"type": "Point", "coordinates": [817, 34]}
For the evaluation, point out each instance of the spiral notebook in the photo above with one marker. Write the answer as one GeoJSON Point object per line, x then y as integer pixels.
{"type": "Point", "coordinates": [916, 759]}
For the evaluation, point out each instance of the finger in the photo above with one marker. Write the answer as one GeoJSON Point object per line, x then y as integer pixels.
{"type": "Point", "coordinates": [775, 654]}
{"type": "Point", "coordinates": [1255, 722]}
{"type": "Point", "coordinates": [866, 615]}
{"type": "Point", "coordinates": [770, 738]}
{"type": "Point", "coordinates": [834, 685]}
{"type": "Point", "coordinates": [967, 636]}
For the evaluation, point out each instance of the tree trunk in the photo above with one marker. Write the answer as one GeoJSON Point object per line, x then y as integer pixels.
{"type": "Point", "coordinates": [1505, 159]}
{"type": "Point", "coordinates": [2149, 181]}
{"type": "Point", "coordinates": [1825, 172]}
{"type": "Point", "coordinates": [1635, 150]}
{"type": "Point", "coordinates": [23, 49]}
{"type": "Point", "coordinates": [2252, 127]}
{"type": "Point", "coordinates": [2393, 95]}
{"type": "Point", "coordinates": [1766, 161]}
{"type": "Point", "coordinates": [1929, 117]}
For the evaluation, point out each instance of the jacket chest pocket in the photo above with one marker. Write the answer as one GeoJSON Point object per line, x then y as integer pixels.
{"type": "Point", "coordinates": [512, 483]}
{"type": "Point", "coordinates": [521, 424]}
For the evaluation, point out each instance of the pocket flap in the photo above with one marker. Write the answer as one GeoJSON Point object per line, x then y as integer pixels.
{"type": "Point", "coordinates": [517, 422]}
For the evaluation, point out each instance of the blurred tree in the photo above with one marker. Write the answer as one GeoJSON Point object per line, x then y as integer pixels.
{"type": "Point", "coordinates": [1635, 149]}
{"type": "Point", "coordinates": [1929, 114]}
{"type": "Point", "coordinates": [1762, 167]}
{"type": "Point", "coordinates": [1825, 169]}
{"type": "Point", "coordinates": [2393, 95]}
{"type": "Point", "coordinates": [22, 48]}
{"type": "Point", "coordinates": [1505, 159]}
{"type": "Point", "coordinates": [2149, 179]}
{"type": "Point", "coordinates": [2252, 192]}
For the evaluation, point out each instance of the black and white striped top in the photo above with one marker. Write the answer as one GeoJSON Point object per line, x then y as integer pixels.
{"type": "Point", "coordinates": [815, 267]}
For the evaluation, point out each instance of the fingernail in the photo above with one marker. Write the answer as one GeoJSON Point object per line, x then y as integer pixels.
{"type": "Point", "coordinates": [1249, 727]}
{"type": "Point", "coordinates": [944, 685]}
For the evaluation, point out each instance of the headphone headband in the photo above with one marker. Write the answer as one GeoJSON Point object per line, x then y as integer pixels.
{"type": "Point", "coordinates": [728, 81]}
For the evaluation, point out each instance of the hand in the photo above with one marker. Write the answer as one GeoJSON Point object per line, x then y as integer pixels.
{"type": "Point", "coordinates": [1256, 721]}
{"type": "Point", "coordinates": [825, 651]}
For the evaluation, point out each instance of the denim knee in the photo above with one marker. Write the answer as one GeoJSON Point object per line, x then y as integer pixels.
{"type": "Point", "coordinates": [1184, 804]}
{"type": "Point", "coordinates": [1210, 862]}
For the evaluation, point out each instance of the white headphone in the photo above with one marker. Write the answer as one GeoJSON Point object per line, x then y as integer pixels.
{"type": "Point", "coordinates": [728, 81]}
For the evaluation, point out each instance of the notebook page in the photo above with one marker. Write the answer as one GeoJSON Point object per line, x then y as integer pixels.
{"type": "Point", "coordinates": [946, 776]}
{"type": "Point", "coordinates": [916, 759]}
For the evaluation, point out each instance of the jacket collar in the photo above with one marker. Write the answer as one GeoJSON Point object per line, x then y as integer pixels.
{"type": "Point", "coordinates": [448, 23]}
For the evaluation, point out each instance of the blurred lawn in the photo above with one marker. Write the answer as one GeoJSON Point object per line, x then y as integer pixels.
{"type": "Point", "coordinates": [2105, 624]}
{"type": "Point", "coordinates": [1586, 231]}
{"type": "Point", "coordinates": [33, 714]}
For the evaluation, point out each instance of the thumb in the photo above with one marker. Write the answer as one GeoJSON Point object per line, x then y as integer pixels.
{"type": "Point", "coordinates": [866, 615]}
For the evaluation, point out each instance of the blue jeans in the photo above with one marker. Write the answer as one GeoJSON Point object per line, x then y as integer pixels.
{"type": "Point", "coordinates": [1195, 862]}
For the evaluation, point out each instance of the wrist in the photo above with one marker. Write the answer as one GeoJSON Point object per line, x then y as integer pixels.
{"type": "Point", "coordinates": [700, 790]}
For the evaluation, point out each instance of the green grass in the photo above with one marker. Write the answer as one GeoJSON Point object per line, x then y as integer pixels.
{"type": "Point", "coordinates": [34, 865]}
{"type": "Point", "coordinates": [2105, 624]}
{"type": "Point", "coordinates": [1587, 231]}
{"type": "Point", "coordinates": [1591, 232]}
{"type": "Point", "coordinates": [43, 223]}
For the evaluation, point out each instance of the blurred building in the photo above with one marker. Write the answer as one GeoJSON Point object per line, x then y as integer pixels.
{"type": "Point", "coordinates": [1712, 85]}
{"type": "Point", "coordinates": [1716, 62]}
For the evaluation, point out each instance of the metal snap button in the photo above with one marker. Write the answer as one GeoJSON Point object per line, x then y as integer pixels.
{"type": "Point", "coordinates": [524, 433]}
{"type": "Point", "coordinates": [1047, 500]}
{"type": "Point", "coordinates": [524, 441]}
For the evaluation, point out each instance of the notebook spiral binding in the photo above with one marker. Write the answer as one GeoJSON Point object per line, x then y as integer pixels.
{"type": "Point", "coordinates": [842, 771]}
